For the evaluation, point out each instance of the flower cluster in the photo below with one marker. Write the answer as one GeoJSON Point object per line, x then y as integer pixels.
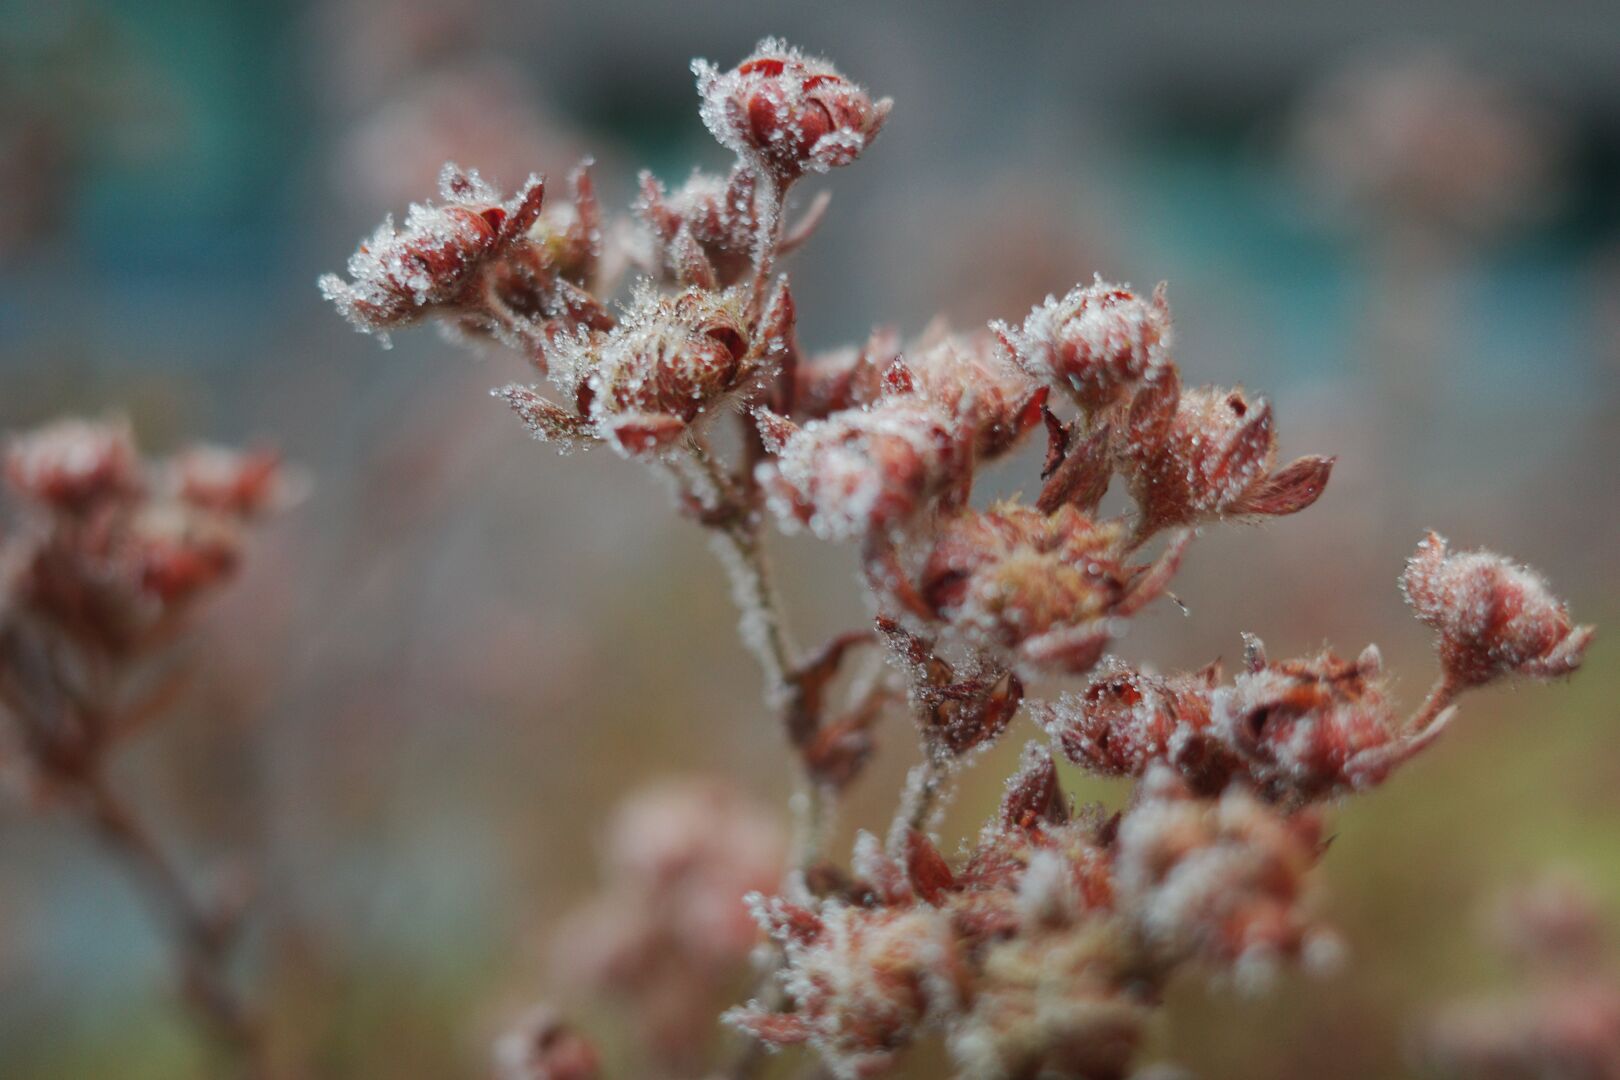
{"type": "Point", "coordinates": [110, 557]}
{"type": "Point", "coordinates": [1043, 950]}
{"type": "Point", "coordinates": [668, 933]}
{"type": "Point", "coordinates": [105, 561]}
{"type": "Point", "coordinates": [1564, 1018]}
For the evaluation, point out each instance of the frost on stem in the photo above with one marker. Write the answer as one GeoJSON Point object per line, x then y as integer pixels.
{"type": "Point", "coordinates": [1493, 617]}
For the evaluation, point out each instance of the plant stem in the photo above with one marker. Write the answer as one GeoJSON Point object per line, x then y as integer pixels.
{"type": "Point", "coordinates": [201, 941]}
{"type": "Point", "coordinates": [1441, 695]}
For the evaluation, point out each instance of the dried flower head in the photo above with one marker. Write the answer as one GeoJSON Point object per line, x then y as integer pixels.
{"type": "Point", "coordinates": [788, 112]}
{"type": "Point", "coordinates": [1195, 455]}
{"type": "Point", "coordinates": [1095, 343]}
{"type": "Point", "coordinates": [1218, 881]}
{"type": "Point", "coordinates": [671, 362]}
{"type": "Point", "coordinates": [863, 982]}
{"type": "Point", "coordinates": [1315, 727]}
{"type": "Point", "coordinates": [1125, 720]}
{"type": "Point", "coordinates": [1050, 588]}
{"type": "Point", "coordinates": [433, 265]}
{"type": "Point", "coordinates": [74, 464]}
{"type": "Point", "coordinates": [1493, 617]}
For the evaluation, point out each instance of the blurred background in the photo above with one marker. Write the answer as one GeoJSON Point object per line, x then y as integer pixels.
{"type": "Point", "coordinates": [446, 666]}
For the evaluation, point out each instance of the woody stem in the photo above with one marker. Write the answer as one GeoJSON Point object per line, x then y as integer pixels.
{"type": "Point", "coordinates": [735, 526]}
{"type": "Point", "coordinates": [201, 941]}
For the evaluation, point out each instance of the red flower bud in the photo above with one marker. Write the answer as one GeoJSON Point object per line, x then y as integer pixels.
{"type": "Point", "coordinates": [1314, 728]}
{"type": "Point", "coordinates": [789, 112]}
{"type": "Point", "coordinates": [1094, 343]}
{"type": "Point", "coordinates": [72, 464]}
{"type": "Point", "coordinates": [1190, 456]}
{"type": "Point", "coordinates": [543, 1046]}
{"type": "Point", "coordinates": [398, 276]}
{"type": "Point", "coordinates": [244, 484]}
{"type": "Point", "coordinates": [180, 555]}
{"type": "Point", "coordinates": [670, 362]}
{"type": "Point", "coordinates": [1045, 587]}
{"type": "Point", "coordinates": [1125, 720]}
{"type": "Point", "coordinates": [1494, 617]}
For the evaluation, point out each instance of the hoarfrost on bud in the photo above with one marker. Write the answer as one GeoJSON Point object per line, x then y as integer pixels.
{"type": "Point", "coordinates": [71, 464]}
{"type": "Point", "coordinates": [398, 276]}
{"type": "Point", "coordinates": [1494, 617]}
{"type": "Point", "coordinates": [1194, 455]}
{"type": "Point", "coordinates": [789, 112]}
{"type": "Point", "coordinates": [1094, 343]}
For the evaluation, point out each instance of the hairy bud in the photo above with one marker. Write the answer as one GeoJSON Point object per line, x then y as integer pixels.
{"type": "Point", "coordinates": [434, 262]}
{"type": "Point", "coordinates": [789, 112]}
{"type": "Point", "coordinates": [1493, 617]}
{"type": "Point", "coordinates": [1196, 455]}
{"type": "Point", "coordinates": [1094, 343]}
{"type": "Point", "coordinates": [73, 464]}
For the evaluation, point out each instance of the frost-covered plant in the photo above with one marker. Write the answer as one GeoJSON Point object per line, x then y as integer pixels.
{"type": "Point", "coordinates": [1044, 948]}
{"type": "Point", "coordinates": [1563, 1018]}
{"type": "Point", "coordinates": [103, 564]}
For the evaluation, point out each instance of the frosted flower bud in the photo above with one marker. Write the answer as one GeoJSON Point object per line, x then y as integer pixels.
{"type": "Point", "coordinates": [911, 433]}
{"type": "Point", "coordinates": [400, 275]}
{"type": "Point", "coordinates": [705, 228]}
{"type": "Point", "coordinates": [864, 982]}
{"type": "Point", "coordinates": [669, 363]}
{"type": "Point", "coordinates": [1094, 343]}
{"type": "Point", "coordinates": [1313, 728]}
{"type": "Point", "coordinates": [72, 464]}
{"type": "Point", "coordinates": [1125, 720]}
{"type": "Point", "coordinates": [789, 112]}
{"type": "Point", "coordinates": [861, 472]}
{"type": "Point", "coordinates": [1220, 881]}
{"type": "Point", "coordinates": [1493, 617]}
{"type": "Point", "coordinates": [241, 483]}
{"type": "Point", "coordinates": [179, 555]}
{"type": "Point", "coordinates": [1045, 587]}
{"type": "Point", "coordinates": [1191, 456]}
{"type": "Point", "coordinates": [543, 1046]}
